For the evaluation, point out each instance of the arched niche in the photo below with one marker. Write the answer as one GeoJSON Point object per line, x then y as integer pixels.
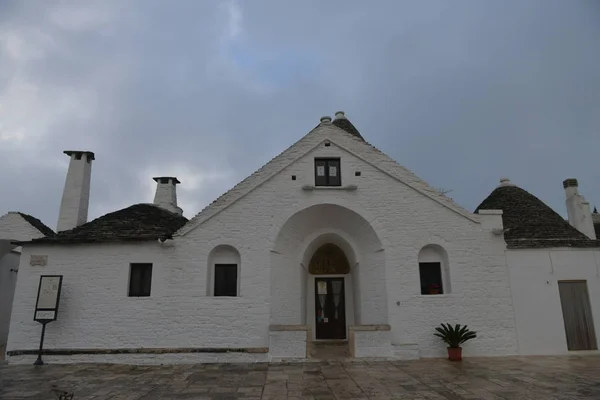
{"type": "Point", "coordinates": [434, 270]}
{"type": "Point", "coordinates": [329, 259]}
{"type": "Point", "coordinates": [224, 263]}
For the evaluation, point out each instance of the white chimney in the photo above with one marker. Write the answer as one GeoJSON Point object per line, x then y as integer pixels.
{"type": "Point", "coordinates": [76, 194]}
{"type": "Point", "coordinates": [578, 209]}
{"type": "Point", "coordinates": [166, 193]}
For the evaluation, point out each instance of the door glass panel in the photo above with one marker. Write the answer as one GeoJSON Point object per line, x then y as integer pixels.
{"type": "Point", "coordinates": [336, 287]}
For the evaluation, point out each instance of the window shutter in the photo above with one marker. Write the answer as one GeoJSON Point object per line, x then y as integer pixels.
{"type": "Point", "coordinates": [320, 173]}
{"type": "Point", "coordinates": [333, 170]}
{"type": "Point", "coordinates": [146, 280]}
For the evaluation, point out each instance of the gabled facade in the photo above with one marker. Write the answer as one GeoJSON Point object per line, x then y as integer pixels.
{"type": "Point", "coordinates": [330, 240]}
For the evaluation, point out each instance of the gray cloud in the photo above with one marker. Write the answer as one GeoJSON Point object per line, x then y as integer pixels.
{"type": "Point", "coordinates": [461, 92]}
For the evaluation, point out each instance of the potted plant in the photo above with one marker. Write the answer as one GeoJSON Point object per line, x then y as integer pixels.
{"type": "Point", "coordinates": [454, 337]}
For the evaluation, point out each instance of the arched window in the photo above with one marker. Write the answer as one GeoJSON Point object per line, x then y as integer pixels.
{"type": "Point", "coordinates": [224, 271]}
{"type": "Point", "coordinates": [434, 272]}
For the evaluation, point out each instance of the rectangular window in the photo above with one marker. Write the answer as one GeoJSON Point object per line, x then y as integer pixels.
{"type": "Point", "coordinates": [431, 278]}
{"type": "Point", "coordinates": [225, 280]}
{"type": "Point", "coordinates": [327, 172]}
{"type": "Point", "coordinates": [140, 279]}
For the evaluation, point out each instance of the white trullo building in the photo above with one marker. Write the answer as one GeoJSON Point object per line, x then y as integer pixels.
{"type": "Point", "coordinates": [331, 239]}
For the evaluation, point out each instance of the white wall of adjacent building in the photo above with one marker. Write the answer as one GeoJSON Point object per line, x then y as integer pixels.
{"type": "Point", "coordinates": [534, 277]}
{"type": "Point", "coordinates": [9, 265]}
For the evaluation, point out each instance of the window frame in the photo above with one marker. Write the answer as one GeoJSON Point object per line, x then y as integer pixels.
{"type": "Point", "coordinates": [327, 178]}
{"type": "Point", "coordinates": [439, 273]}
{"type": "Point", "coordinates": [235, 282]}
{"type": "Point", "coordinates": [144, 275]}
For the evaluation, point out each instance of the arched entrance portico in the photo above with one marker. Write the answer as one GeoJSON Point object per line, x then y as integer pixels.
{"type": "Point", "coordinates": [330, 249]}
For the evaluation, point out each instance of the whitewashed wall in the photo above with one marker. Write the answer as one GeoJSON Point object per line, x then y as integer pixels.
{"type": "Point", "coordinates": [8, 280]}
{"type": "Point", "coordinates": [96, 311]}
{"type": "Point", "coordinates": [534, 276]}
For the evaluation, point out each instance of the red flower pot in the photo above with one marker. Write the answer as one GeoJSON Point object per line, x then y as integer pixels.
{"type": "Point", "coordinates": [454, 353]}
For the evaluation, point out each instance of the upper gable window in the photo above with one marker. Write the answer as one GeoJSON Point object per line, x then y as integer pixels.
{"type": "Point", "coordinates": [327, 172]}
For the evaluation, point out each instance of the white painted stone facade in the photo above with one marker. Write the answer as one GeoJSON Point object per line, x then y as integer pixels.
{"type": "Point", "coordinates": [9, 264]}
{"type": "Point", "coordinates": [12, 227]}
{"type": "Point", "coordinates": [534, 276]}
{"type": "Point", "coordinates": [385, 221]}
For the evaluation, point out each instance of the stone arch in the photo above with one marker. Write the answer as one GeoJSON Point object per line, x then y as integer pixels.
{"type": "Point", "coordinates": [329, 235]}
{"type": "Point", "coordinates": [300, 236]}
{"type": "Point", "coordinates": [374, 225]}
{"type": "Point", "coordinates": [222, 254]}
{"type": "Point", "coordinates": [431, 254]}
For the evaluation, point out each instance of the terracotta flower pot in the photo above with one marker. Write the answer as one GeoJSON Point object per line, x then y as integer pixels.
{"type": "Point", "coordinates": [454, 353]}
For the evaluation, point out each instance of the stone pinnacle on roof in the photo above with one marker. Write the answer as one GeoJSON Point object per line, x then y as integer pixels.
{"type": "Point", "coordinates": [505, 182]}
{"type": "Point", "coordinates": [344, 123]}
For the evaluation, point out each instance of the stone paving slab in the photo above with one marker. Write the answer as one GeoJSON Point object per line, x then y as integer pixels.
{"type": "Point", "coordinates": [506, 378]}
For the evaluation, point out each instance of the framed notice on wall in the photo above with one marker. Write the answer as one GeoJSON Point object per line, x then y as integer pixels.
{"type": "Point", "coordinates": [48, 298]}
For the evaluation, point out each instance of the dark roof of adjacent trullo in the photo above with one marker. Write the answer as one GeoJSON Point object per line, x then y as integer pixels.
{"type": "Point", "coordinates": [345, 124]}
{"type": "Point", "coordinates": [596, 220]}
{"type": "Point", "coordinates": [135, 223]}
{"type": "Point", "coordinates": [530, 223]}
{"type": "Point", "coordinates": [37, 224]}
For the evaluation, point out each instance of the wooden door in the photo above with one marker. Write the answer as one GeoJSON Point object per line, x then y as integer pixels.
{"type": "Point", "coordinates": [577, 315]}
{"type": "Point", "coordinates": [330, 308]}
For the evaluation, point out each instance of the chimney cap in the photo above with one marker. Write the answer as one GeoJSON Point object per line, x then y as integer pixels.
{"type": "Point", "coordinates": [90, 154]}
{"type": "Point", "coordinates": [326, 119]}
{"type": "Point", "coordinates": [571, 182]}
{"type": "Point", "coordinates": [340, 115]}
{"type": "Point", "coordinates": [159, 179]}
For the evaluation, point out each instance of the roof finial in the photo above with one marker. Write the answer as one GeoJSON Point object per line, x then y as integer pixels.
{"type": "Point", "coordinates": [326, 119]}
{"type": "Point", "coordinates": [505, 182]}
{"type": "Point", "coordinates": [340, 115]}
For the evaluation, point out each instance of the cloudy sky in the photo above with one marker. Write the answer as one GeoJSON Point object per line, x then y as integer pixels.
{"type": "Point", "coordinates": [460, 92]}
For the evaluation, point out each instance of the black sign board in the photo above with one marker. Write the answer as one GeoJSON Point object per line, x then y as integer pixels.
{"type": "Point", "coordinates": [46, 306]}
{"type": "Point", "coordinates": [48, 298]}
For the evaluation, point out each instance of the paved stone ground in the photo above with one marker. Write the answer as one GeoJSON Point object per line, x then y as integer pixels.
{"type": "Point", "coordinates": [513, 378]}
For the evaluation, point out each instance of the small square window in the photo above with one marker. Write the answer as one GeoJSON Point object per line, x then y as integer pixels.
{"type": "Point", "coordinates": [140, 279]}
{"type": "Point", "coordinates": [293, 177]}
{"type": "Point", "coordinates": [431, 278]}
{"type": "Point", "coordinates": [357, 173]}
{"type": "Point", "coordinates": [225, 280]}
{"type": "Point", "coordinates": [327, 172]}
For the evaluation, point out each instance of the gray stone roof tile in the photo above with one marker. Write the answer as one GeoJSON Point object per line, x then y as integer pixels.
{"type": "Point", "coordinates": [138, 222]}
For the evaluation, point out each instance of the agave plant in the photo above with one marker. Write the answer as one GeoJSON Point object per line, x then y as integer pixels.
{"type": "Point", "coordinates": [454, 336]}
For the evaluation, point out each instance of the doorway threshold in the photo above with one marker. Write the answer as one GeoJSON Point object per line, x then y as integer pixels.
{"type": "Point", "coordinates": [329, 349]}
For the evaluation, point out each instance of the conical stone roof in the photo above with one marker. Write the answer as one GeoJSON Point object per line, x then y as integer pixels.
{"type": "Point", "coordinates": [530, 223]}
